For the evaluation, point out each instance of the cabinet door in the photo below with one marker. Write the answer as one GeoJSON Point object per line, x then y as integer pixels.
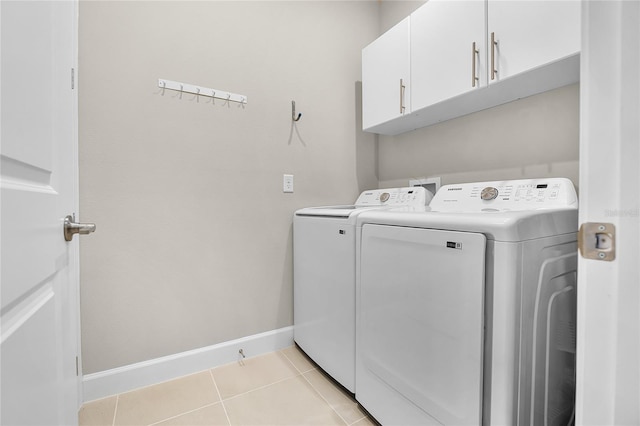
{"type": "Point", "coordinates": [385, 63]}
{"type": "Point", "coordinates": [531, 33]}
{"type": "Point", "coordinates": [443, 61]}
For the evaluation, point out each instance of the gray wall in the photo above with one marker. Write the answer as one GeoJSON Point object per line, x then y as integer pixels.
{"type": "Point", "coordinates": [533, 137]}
{"type": "Point", "coordinates": [394, 11]}
{"type": "Point", "coordinates": [193, 245]}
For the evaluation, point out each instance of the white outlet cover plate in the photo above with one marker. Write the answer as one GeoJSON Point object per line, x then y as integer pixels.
{"type": "Point", "coordinates": [287, 183]}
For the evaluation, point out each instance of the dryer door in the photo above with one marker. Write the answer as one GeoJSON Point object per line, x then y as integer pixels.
{"type": "Point", "coordinates": [420, 325]}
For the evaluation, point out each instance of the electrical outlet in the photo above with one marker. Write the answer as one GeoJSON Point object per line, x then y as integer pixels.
{"type": "Point", "coordinates": [287, 183]}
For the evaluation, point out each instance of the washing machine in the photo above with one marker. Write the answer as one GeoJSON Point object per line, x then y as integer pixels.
{"type": "Point", "coordinates": [324, 263]}
{"type": "Point", "coordinates": [466, 310]}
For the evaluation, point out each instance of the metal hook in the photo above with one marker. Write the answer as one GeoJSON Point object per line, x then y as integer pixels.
{"type": "Point", "coordinates": [293, 112]}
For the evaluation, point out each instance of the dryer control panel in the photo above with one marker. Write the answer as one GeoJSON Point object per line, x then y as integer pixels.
{"type": "Point", "coordinates": [416, 196]}
{"type": "Point", "coordinates": [508, 195]}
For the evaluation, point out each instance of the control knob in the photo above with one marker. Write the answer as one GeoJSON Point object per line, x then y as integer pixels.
{"type": "Point", "coordinates": [489, 193]}
{"type": "Point", "coordinates": [384, 196]}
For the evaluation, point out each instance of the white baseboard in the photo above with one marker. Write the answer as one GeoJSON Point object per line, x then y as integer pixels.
{"type": "Point", "coordinates": [133, 376]}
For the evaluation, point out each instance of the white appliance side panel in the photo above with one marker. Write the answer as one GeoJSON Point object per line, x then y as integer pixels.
{"type": "Point", "coordinates": [502, 304]}
{"type": "Point", "coordinates": [324, 294]}
{"type": "Point", "coordinates": [420, 331]}
{"type": "Point", "coordinates": [548, 330]}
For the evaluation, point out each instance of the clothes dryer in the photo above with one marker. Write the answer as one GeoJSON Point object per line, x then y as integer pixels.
{"type": "Point", "coordinates": [466, 310]}
{"type": "Point", "coordinates": [324, 246]}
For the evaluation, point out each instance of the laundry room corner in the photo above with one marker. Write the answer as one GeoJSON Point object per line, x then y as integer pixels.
{"type": "Point", "coordinates": [193, 247]}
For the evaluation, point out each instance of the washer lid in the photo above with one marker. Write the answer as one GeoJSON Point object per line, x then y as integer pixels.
{"type": "Point", "coordinates": [331, 211]}
{"type": "Point", "coordinates": [372, 199]}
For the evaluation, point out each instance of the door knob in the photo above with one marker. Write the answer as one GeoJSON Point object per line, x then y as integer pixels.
{"type": "Point", "coordinates": [71, 228]}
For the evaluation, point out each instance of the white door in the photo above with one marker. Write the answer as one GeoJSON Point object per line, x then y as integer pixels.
{"type": "Point", "coordinates": [608, 338]}
{"type": "Point", "coordinates": [448, 50]}
{"type": "Point", "coordinates": [385, 77]}
{"type": "Point", "coordinates": [532, 33]}
{"type": "Point", "coordinates": [39, 286]}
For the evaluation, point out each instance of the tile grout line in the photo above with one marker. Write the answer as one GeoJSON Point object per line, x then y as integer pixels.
{"type": "Point", "coordinates": [260, 388]}
{"type": "Point", "coordinates": [182, 414]}
{"type": "Point", "coordinates": [215, 384]}
{"type": "Point", "coordinates": [314, 388]}
{"type": "Point", "coordinates": [199, 408]}
{"type": "Point", "coordinates": [302, 373]}
{"type": "Point", "coordinates": [360, 419]}
{"type": "Point", "coordinates": [324, 399]}
{"type": "Point", "coordinates": [294, 366]}
{"type": "Point", "coordinates": [115, 410]}
{"type": "Point", "coordinates": [263, 386]}
{"type": "Point", "coordinates": [221, 400]}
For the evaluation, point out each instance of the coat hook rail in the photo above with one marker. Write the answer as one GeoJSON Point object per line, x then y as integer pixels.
{"type": "Point", "coordinates": [201, 91]}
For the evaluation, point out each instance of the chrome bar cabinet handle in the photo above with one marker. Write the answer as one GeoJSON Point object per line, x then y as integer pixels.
{"type": "Point", "coordinates": [494, 43]}
{"type": "Point", "coordinates": [474, 53]}
{"type": "Point", "coordinates": [402, 88]}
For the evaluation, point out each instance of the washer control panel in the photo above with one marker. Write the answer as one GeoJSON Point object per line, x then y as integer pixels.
{"type": "Point", "coordinates": [395, 197]}
{"type": "Point", "coordinates": [524, 194]}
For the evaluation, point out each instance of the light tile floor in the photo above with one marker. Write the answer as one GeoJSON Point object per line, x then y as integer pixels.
{"type": "Point", "coordinates": [280, 388]}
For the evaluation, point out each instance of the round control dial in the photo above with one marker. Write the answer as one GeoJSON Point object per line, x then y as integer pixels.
{"type": "Point", "coordinates": [384, 196]}
{"type": "Point", "coordinates": [489, 193]}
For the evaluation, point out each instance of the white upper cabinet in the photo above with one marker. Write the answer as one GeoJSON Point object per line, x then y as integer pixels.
{"type": "Point", "coordinates": [448, 50]}
{"type": "Point", "coordinates": [455, 57]}
{"type": "Point", "coordinates": [385, 77]}
{"type": "Point", "coordinates": [529, 34]}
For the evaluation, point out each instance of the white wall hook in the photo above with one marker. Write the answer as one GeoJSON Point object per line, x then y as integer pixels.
{"type": "Point", "coordinates": [293, 112]}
